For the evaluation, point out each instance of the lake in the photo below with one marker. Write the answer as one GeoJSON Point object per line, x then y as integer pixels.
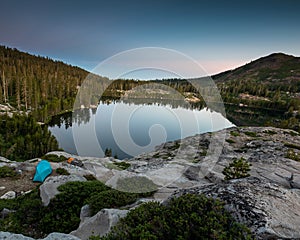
{"type": "Point", "coordinates": [131, 128]}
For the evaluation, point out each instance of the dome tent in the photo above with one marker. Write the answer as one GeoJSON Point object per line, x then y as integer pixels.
{"type": "Point", "coordinates": [43, 169]}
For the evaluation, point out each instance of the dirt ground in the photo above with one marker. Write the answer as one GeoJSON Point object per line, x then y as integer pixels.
{"type": "Point", "coordinates": [21, 183]}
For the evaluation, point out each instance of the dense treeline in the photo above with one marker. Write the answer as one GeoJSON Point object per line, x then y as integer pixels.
{"type": "Point", "coordinates": [259, 95]}
{"type": "Point", "coordinates": [38, 84]}
{"type": "Point", "coordinates": [21, 138]}
{"type": "Point", "coordinates": [118, 88]}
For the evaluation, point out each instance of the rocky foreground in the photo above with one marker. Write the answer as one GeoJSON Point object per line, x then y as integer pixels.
{"type": "Point", "coordinates": [268, 201]}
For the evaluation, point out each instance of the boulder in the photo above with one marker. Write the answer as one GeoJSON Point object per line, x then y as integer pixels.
{"type": "Point", "coordinates": [269, 210]}
{"type": "Point", "coordinates": [9, 195]}
{"type": "Point", "coordinates": [100, 224]}
{"type": "Point", "coordinates": [5, 160]}
{"type": "Point", "coordinates": [13, 236]}
{"type": "Point", "coordinates": [85, 213]}
{"type": "Point", "coordinates": [48, 189]}
{"type": "Point", "coordinates": [5, 212]}
{"type": "Point", "coordinates": [52, 236]}
{"type": "Point", "coordinates": [295, 181]}
{"type": "Point", "coordinates": [60, 236]}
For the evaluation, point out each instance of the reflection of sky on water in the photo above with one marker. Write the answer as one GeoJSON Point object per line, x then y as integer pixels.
{"type": "Point", "coordinates": [130, 129]}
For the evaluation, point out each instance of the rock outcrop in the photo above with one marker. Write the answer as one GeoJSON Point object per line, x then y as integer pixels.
{"type": "Point", "coordinates": [8, 195]}
{"type": "Point", "coordinates": [100, 224]}
{"type": "Point", "coordinates": [52, 236]}
{"type": "Point", "coordinates": [269, 210]}
{"type": "Point", "coordinates": [48, 189]}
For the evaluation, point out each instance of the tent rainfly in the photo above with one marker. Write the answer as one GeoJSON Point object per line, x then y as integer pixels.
{"type": "Point", "coordinates": [43, 169]}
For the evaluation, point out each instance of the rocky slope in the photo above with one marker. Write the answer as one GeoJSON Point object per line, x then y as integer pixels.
{"type": "Point", "coordinates": [267, 202]}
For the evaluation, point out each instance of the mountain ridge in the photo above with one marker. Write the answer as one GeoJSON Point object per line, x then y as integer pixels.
{"type": "Point", "coordinates": [274, 61]}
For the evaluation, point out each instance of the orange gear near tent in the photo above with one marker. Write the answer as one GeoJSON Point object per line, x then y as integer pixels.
{"type": "Point", "coordinates": [75, 161]}
{"type": "Point", "coordinates": [70, 160]}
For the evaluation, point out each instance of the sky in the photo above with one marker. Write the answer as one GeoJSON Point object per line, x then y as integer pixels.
{"type": "Point", "coordinates": [219, 35]}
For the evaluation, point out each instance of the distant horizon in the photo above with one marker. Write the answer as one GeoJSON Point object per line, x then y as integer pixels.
{"type": "Point", "coordinates": [142, 79]}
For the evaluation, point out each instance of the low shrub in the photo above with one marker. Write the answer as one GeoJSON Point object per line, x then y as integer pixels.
{"type": "Point", "coordinates": [230, 140]}
{"type": "Point", "coordinates": [90, 177]}
{"type": "Point", "coordinates": [123, 165]}
{"type": "Point", "coordinates": [6, 171]}
{"type": "Point", "coordinates": [54, 158]}
{"type": "Point", "coordinates": [291, 154]}
{"type": "Point", "coordinates": [251, 134]}
{"type": "Point", "coordinates": [187, 217]}
{"type": "Point", "coordinates": [291, 145]}
{"type": "Point", "coordinates": [111, 199]}
{"type": "Point", "coordinates": [239, 168]}
{"type": "Point", "coordinates": [62, 171]}
{"type": "Point", "coordinates": [234, 133]}
{"type": "Point", "coordinates": [292, 133]}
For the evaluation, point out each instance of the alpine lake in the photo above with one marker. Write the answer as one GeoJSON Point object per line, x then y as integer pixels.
{"type": "Point", "coordinates": [128, 128]}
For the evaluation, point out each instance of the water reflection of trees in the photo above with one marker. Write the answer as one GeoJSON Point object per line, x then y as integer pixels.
{"type": "Point", "coordinates": [236, 114]}
{"type": "Point", "coordinates": [83, 116]}
{"type": "Point", "coordinates": [68, 119]}
{"type": "Point", "coordinates": [252, 116]}
{"type": "Point", "coordinates": [164, 102]}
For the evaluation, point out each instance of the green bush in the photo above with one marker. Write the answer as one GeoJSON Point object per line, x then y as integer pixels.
{"type": "Point", "coordinates": [234, 133]}
{"type": "Point", "coordinates": [122, 165]}
{"type": "Point", "coordinates": [292, 133]}
{"type": "Point", "coordinates": [291, 145]}
{"type": "Point", "coordinates": [62, 171]}
{"type": "Point", "coordinates": [62, 213]}
{"type": "Point", "coordinates": [54, 158]}
{"type": "Point", "coordinates": [187, 217]}
{"type": "Point", "coordinates": [291, 154]}
{"type": "Point", "coordinates": [251, 134]}
{"type": "Point", "coordinates": [111, 199]}
{"type": "Point", "coordinates": [6, 171]}
{"type": "Point", "coordinates": [239, 168]}
{"type": "Point", "coordinates": [230, 140]}
{"type": "Point", "coordinates": [90, 177]}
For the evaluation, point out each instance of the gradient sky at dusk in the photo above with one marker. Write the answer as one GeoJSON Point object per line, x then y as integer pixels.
{"type": "Point", "coordinates": [219, 35]}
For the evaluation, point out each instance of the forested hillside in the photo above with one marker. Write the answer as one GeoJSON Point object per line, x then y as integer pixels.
{"type": "Point", "coordinates": [45, 87]}
{"type": "Point", "coordinates": [38, 84]}
{"type": "Point", "coordinates": [271, 82]}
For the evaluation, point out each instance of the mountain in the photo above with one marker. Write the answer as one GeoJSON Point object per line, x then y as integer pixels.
{"type": "Point", "coordinates": [277, 69]}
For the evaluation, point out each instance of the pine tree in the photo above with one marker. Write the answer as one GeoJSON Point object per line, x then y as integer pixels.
{"type": "Point", "coordinates": [239, 168]}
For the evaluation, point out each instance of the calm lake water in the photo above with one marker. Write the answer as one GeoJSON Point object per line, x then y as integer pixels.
{"type": "Point", "coordinates": [131, 128]}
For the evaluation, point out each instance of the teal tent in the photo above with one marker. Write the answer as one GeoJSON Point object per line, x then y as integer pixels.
{"type": "Point", "coordinates": [43, 169]}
